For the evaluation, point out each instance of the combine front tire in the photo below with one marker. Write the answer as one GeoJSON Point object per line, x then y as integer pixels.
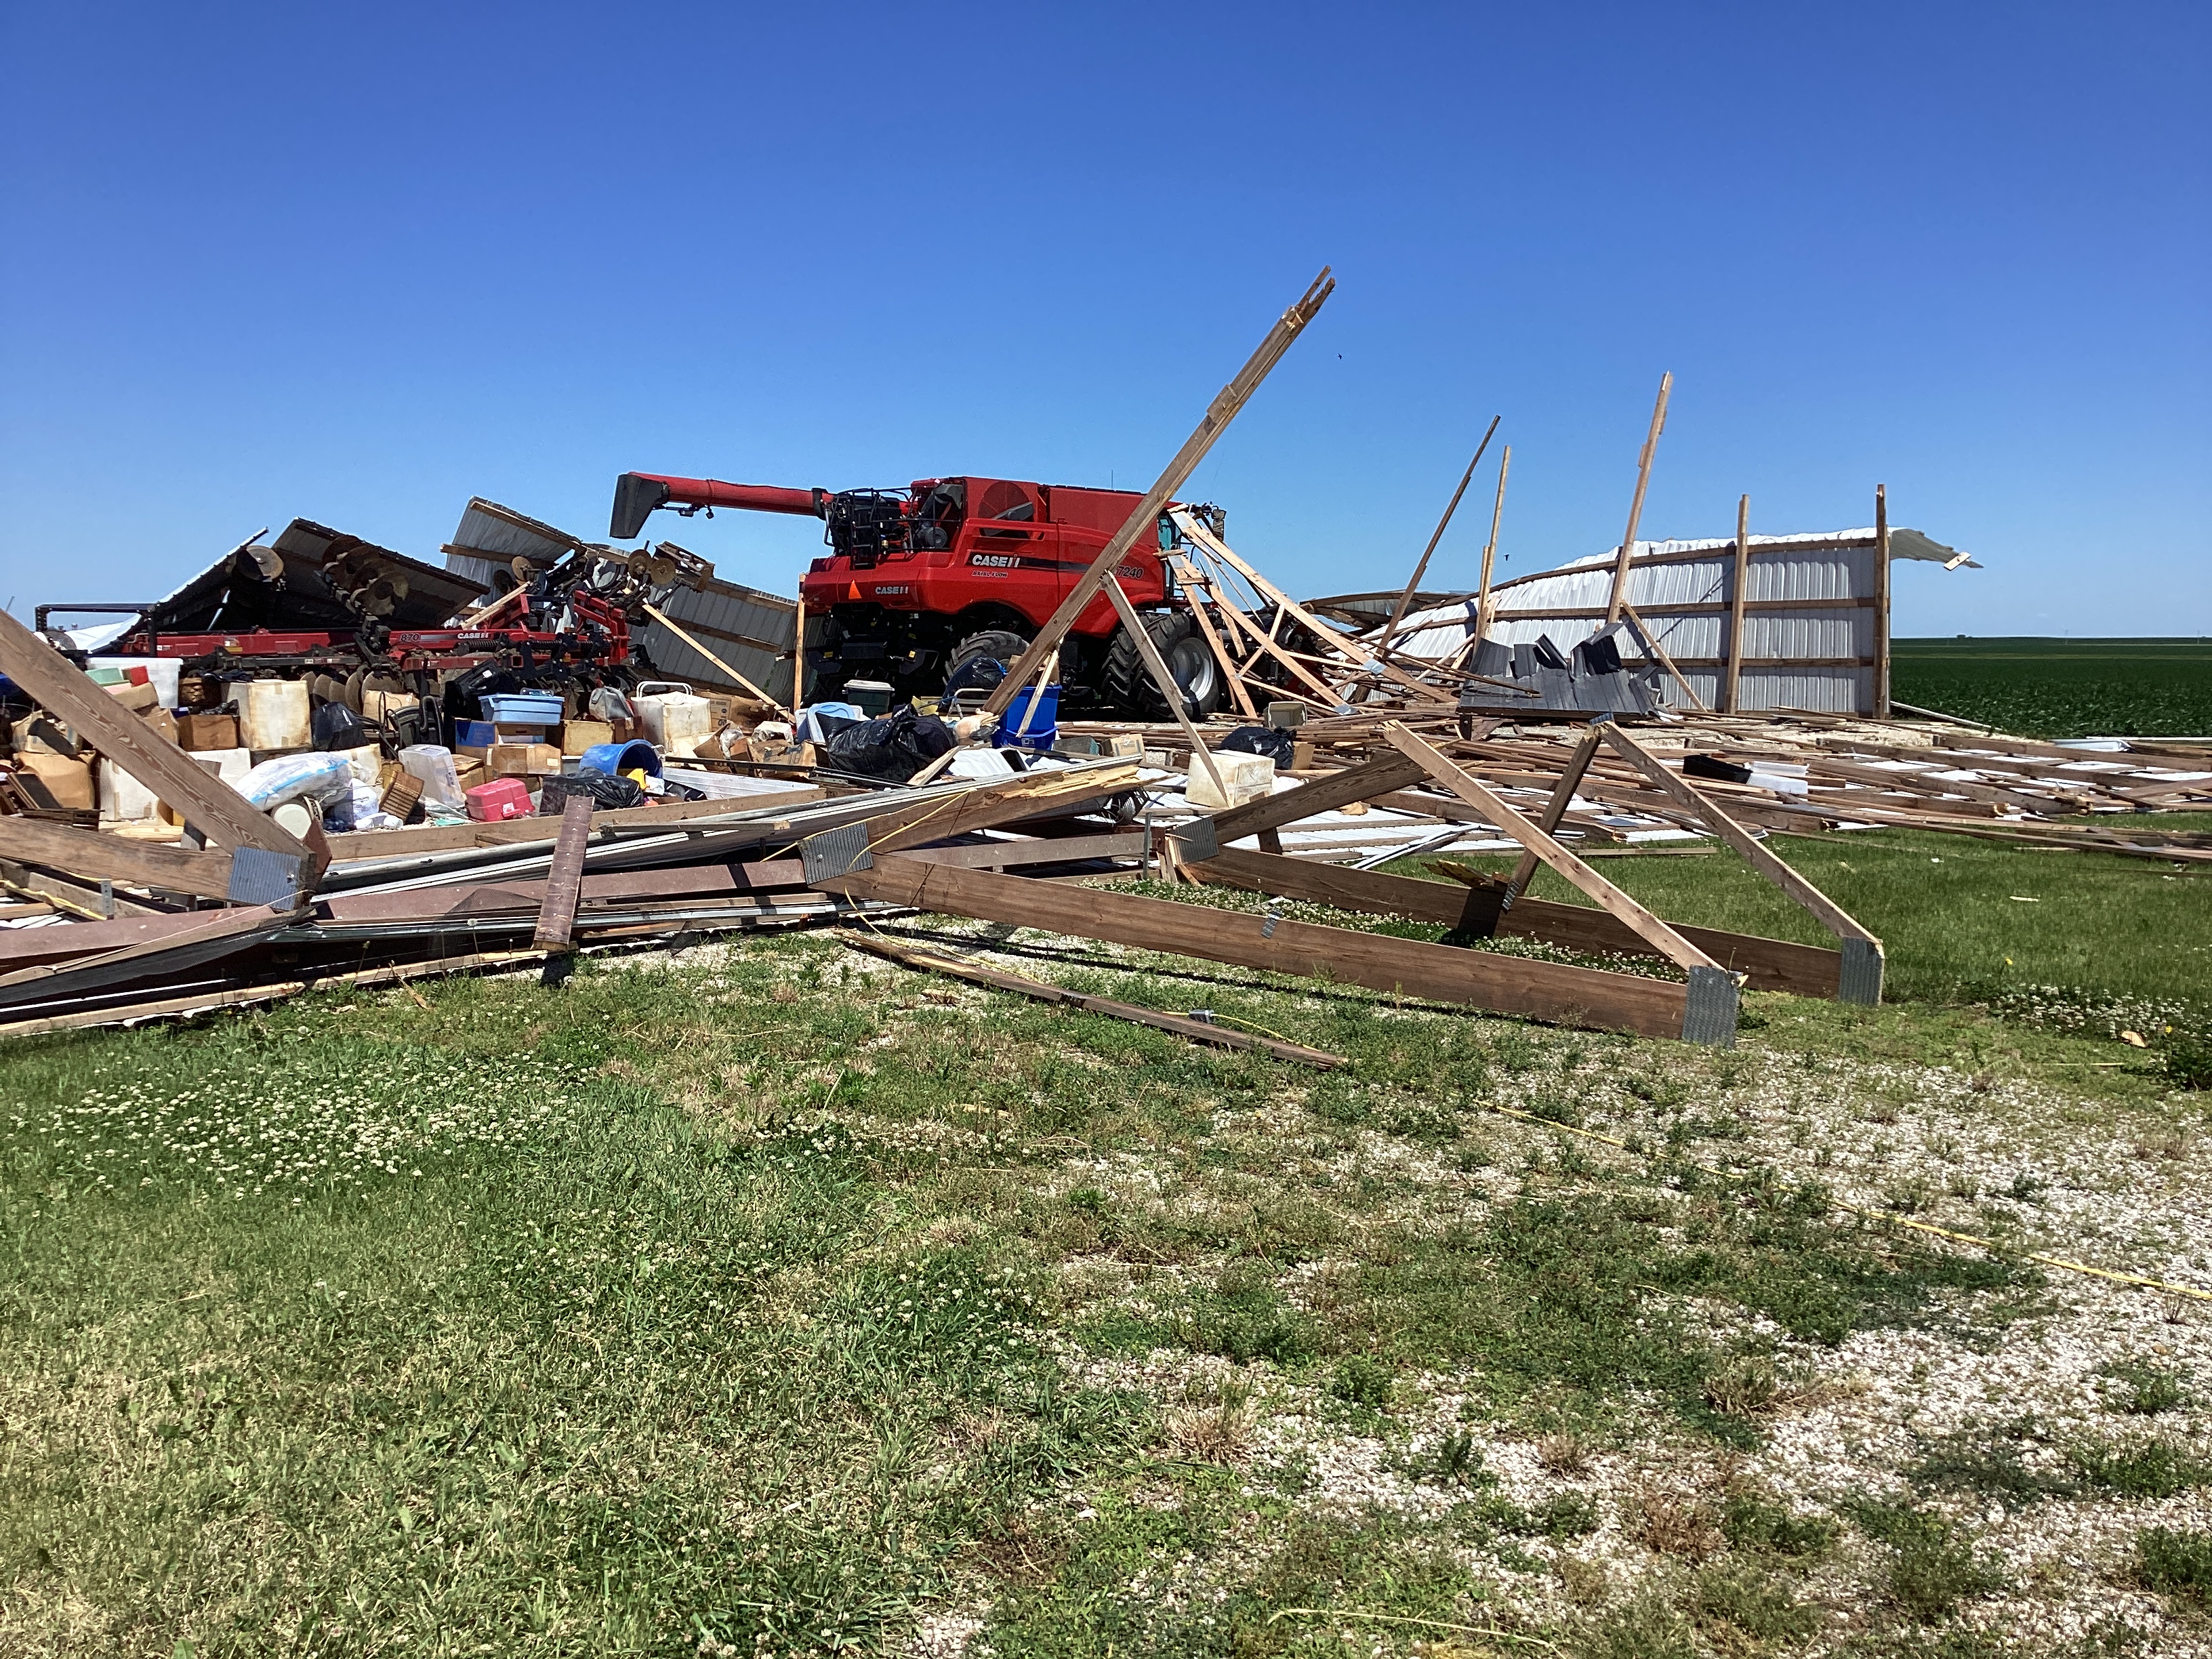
{"type": "Point", "coordinates": [1129, 687]}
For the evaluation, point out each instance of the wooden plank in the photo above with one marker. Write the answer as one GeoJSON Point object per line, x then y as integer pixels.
{"type": "Point", "coordinates": [1648, 927]}
{"type": "Point", "coordinates": [1170, 693]}
{"type": "Point", "coordinates": [1881, 602]}
{"type": "Point", "coordinates": [205, 802]}
{"type": "Point", "coordinates": [88, 853]}
{"type": "Point", "coordinates": [1918, 783]}
{"type": "Point", "coordinates": [1218, 414]}
{"type": "Point", "coordinates": [73, 896]}
{"type": "Point", "coordinates": [1202, 591]}
{"type": "Point", "coordinates": [1063, 849]}
{"type": "Point", "coordinates": [1822, 908]}
{"type": "Point", "coordinates": [1482, 614]}
{"type": "Point", "coordinates": [1636, 504]}
{"type": "Point", "coordinates": [383, 843]}
{"type": "Point", "coordinates": [1563, 795]}
{"type": "Point", "coordinates": [1541, 990]}
{"type": "Point", "coordinates": [1377, 777]}
{"type": "Point", "coordinates": [1685, 608]}
{"type": "Point", "coordinates": [492, 896]}
{"type": "Point", "coordinates": [996, 805]}
{"type": "Point", "coordinates": [21, 947]}
{"type": "Point", "coordinates": [1421, 569]}
{"type": "Point", "coordinates": [1769, 964]}
{"type": "Point", "coordinates": [1738, 594]}
{"type": "Point", "coordinates": [1652, 641]}
{"type": "Point", "coordinates": [998, 979]}
{"type": "Point", "coordinates": [564, 880]}
{"type": "Point", "coordinates": [736, 678]}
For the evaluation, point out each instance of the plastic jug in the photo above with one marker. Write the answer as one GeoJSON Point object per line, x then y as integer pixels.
{"type": "Point", "coordinates": [674, 718]}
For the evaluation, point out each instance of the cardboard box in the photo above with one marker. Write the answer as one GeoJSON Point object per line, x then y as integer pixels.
{"type": "Point", "coordinates": [577, 736]}
{"type": "Point", "coordinates": [522, 760]}
{"type": "Point", "coordinates": [162, 721]}
{"type": "Point", "coordinates": [511, 732]}
{"type": "Point", "coordinates": [208, 731]}
{"type": "Point", "coordinates": [56, 780]}
{"type": "Point", "coordinates": [468, 771]}
{"type": "Point", "coordinates": [136, 697]}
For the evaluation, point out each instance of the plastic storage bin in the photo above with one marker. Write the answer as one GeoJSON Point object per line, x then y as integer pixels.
{"type": "Point", "coordinates": [434, 764]}
{"type": "Point", "coordinates": [1246, 777]}
{"type": "Point", "coordinates": [673, 716]}
{"type": "Point", "coordinates": [525, 707]}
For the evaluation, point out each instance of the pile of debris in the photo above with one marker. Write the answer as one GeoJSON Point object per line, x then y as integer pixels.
{"type": "Point", "coordinates": [321, 763]}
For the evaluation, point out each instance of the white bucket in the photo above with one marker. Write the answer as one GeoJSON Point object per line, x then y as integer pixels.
{"type": "Point", "coordinates": [272, 713]}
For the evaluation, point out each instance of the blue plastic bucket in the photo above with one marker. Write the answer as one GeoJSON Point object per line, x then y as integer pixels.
{"type": "Point", "coordinates": [613, 759]}
{"type": "Point", "coordinates": [1043, 727]}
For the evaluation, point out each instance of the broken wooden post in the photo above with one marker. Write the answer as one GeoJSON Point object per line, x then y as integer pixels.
{"type": "Point", "coordinates": [564, 879]}
{"type": "Point", "coordinates": [1881, 602]}
{"type": "Point", "coordinates": [1563, 795]}
{"type": "Point", "coordinates": [1218, 414]}
{"type": "Point", "coordinates": [1732, 669]}
{"type": "Point", "coordinates": [1397, 612]}
{"type": "Point", "coordinates": [1490, 549]}
{"type": "Point", "coordinates": [1164, 681]}
{"type": "Point", "coordinates": [1636, 505]}
{"type": "Point", "coordinates": [673, 627]}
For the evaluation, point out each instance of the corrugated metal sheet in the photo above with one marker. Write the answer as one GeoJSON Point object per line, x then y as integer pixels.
{"type": "Point", "coordinates": [1818, 657]}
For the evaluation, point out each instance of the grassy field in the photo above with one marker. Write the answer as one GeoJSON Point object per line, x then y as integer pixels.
{"type": "Point", "coordinates": [2061, 687]}
{"type": "Point", "coordinates": [773, 1299]}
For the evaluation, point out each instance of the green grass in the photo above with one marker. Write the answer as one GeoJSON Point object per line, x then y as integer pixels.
{"type": "Point", "coordinates": [2045, 688]}
{"type": "Point", "coordinates": [730, 1305]}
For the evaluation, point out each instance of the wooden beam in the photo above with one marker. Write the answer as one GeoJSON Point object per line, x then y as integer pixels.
{"type": "Point", "coordinates": [1199, 590]}
{"type": "Point", "coordinates": [997, 978]}
{"type": "Point", "coordinates": [1163, 681]}
{"type": "Point", "coordinates": [1421, 569]}
{"type": "Point", "coordinates": [1636, 505]}
{"type": "Point", "coordinates": [677, 629]}
{"type": "Point", "coordinates": [1823, 909]}
{"type": "Point", "coordinates": [1738, 594]}
{"type": "Point", "coordinates": [1219, 413]}
{"type": "Point", "coordinates": [206, 803]}
{"type": "Point", "coordinates": [1056, 849]}
{"type": "Point", "coordinates": [564, 880]}
{"type": "Point", "coordinates": [1647, 926]}
{"type": "Point", "coordinates": [1563, 795]}
{"type": "Point", "coordinates": [1490, 548]}
{"type": "Point", "coordinates": [1769, 964]}
{"type": "Point", "coordinates": [1651, 637]}
{"type": "Point", "coordinates": [212, 934]}
{"type": "Point", "coordinates": [1542, 990]}
{"type": "Point", "coordinates": [1377, 777]}
{"type": "Point", "coordinates": [90, 854]}
{"type": "Point", "coordinates": [383, 843]}
{"type": "Point", "coordinates": [798, 657]}
{"type": "Point", "coordinates": [1881, 602]}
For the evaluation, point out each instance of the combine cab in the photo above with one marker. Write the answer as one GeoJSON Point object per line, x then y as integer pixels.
{"type": "Point", "coordinates": [919, 583]}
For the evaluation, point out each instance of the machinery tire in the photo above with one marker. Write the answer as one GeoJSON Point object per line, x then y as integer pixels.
{"type": "Point", "coordinates": [1000, 645]}
{"type": "Point", "coordinates": [824, 680]}
{"type": "Point", "coordinates": [1128, 688]}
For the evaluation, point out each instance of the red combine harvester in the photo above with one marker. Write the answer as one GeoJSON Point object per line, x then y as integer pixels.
{"type": "Point", "coordinates": [921, 583]}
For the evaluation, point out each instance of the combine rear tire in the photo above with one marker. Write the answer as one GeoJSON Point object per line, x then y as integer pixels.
{"type": "Point", "coordinates": [1127, 685]}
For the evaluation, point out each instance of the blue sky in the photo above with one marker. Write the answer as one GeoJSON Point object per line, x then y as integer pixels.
{"type": "Point", "coordinates": [358, 263]}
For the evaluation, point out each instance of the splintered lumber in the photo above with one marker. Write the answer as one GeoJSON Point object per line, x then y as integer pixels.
{"type": "Point", "coordinates": [1000, 978]}
{"type": "Point", "coordinates": [1540, 990]}
{"type": "Point", "coordinates": [204, 801]}
{"type": "Point", "coordinates": [1421, 569]}
{"type": "Point", "coordinates": [1739, 592]}
{"type": "Point", "coordinates": [1670, 943]}
{"type": "Point", "coordinates": [564, 882]}
{"type": "Point", "coordinates": [1489, 555]}
{"type": "Point", "coordinates": [88, 854]}
{"type": "Point", "coordinates": [991, 805]}
{"type": "Point", "coordinates": [1769, 964]}
{"type": "Point", "coordinates": [1636, 505]}
{"type": "Point", "coordinates": [492, 896]}
{"type": "Point", "coordinates": [1218, 414]}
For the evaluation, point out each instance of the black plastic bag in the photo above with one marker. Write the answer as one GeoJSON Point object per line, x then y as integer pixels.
{"type": "Point", "coordinates": [600, 789]}
{"type": "Point", "coordinates": [893, 747]}
{"type": "Point", "coordinates": [1261, 740]}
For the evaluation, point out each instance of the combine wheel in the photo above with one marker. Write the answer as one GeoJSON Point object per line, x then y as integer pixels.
{"type": "Point", "coordinates": [1128, 686]}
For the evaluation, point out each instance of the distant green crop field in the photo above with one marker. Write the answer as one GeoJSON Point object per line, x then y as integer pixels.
{"type": "Point", "coordinates": [2043, 688]}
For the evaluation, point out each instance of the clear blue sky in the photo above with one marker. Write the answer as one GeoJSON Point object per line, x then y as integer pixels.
{"type": "Point", "coordinates": [358, 263]}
